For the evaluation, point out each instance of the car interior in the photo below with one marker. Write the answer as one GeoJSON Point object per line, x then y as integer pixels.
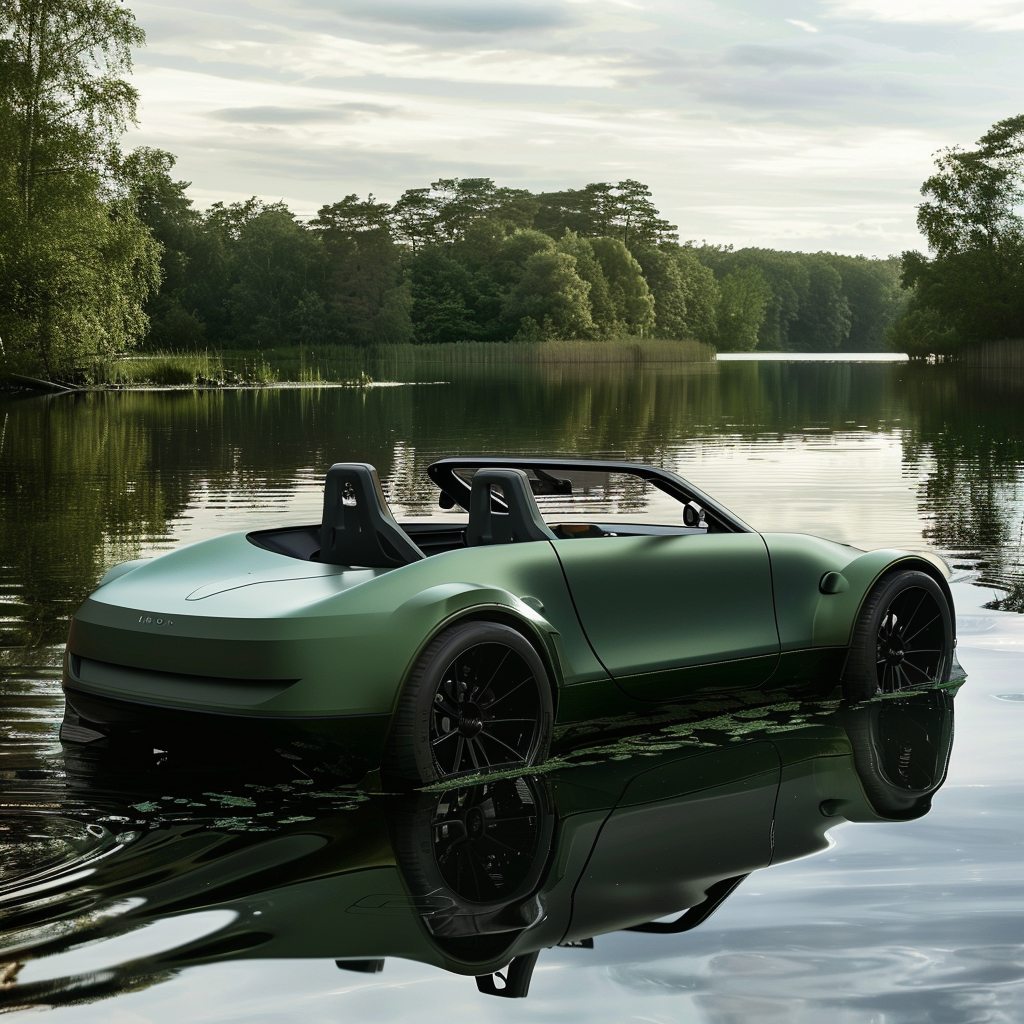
{"type": "Point", "coordinates": [507, 502]}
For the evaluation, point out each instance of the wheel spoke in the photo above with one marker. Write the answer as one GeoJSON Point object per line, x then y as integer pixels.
{"type": "Point", "coordinates": [452, 709]}
{"type": "Point", "coordinates": [441, 739]}
{"type": "Point", "coordinates": [916, 668]}
{"type": "Point", "coordinates": [910, 621]}
{"type": "Point", "coordinates": [519, 756]}
{"type": "Point", "coordinates": [507, 693]}
{"type": "Point", "coordinates": [458, 754]}
{"type": "Point", "coordinates": [923, 628]}
{"type": "Point", "coordinates": [471, 747]}
{"type": "Point", "coordinates": [504, 658]}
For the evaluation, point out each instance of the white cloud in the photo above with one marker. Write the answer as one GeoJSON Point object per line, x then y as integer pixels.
{"type": "Point", "coordinates": [991, 15]}
{"type": "Point", "coordinates": [724, 107]}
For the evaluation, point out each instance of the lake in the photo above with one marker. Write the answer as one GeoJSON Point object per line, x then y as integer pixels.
{"type": "Point", "coordinates": [913, 920]}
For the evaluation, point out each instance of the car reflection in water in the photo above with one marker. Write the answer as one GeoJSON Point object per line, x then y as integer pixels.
{"type": "Point", "coordinates": [650, 833]}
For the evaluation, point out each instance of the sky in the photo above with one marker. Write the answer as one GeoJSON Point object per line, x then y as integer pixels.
{"type": "Point", "coordinates": [788, 124]}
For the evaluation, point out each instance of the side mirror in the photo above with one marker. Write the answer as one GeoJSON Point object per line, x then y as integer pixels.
{"type": "Point", "coordinates": [693, 516]}
{"type": "Point", "coordinates": [445, 500]}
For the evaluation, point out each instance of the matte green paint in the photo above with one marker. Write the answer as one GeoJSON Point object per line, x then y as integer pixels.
{"type": "Point", "coordinates": [667, 616]}
{"type": "Point", "coordinates": [652, 606]}
{"type": "Point", "coordinates": [348, 636]}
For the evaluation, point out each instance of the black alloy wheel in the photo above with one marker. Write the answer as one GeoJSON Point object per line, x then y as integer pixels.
{"type": "Point", "coordinates": [903, 639]}
{"type": "Point", "coordinates": [486, 711]}
{"type": "Point", "coordinates": [910, 643]}
{"type": "Point", "coordinates": [479, 700]}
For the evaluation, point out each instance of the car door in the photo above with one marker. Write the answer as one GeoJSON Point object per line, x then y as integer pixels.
{"type": "Point", "coordinates": [673, 615]}
{"type": "Point", "coordinates": [677, 829]}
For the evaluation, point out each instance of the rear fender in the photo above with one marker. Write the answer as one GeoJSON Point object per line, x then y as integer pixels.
{"type": "Point", "coordinates": [437, 608]}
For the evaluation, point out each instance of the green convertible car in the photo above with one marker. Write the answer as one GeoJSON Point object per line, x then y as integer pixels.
{"type": "Point", "coordinates": [434, 649]}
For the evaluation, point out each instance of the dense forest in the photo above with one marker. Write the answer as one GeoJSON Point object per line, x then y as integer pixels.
{"type": "Point", "coordinates": [102, 251]}
{"type": "Point", "coordinates": [468, 260]}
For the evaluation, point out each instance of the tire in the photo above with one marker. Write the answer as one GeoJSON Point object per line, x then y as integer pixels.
{"type": "Point", "coordinates": [903, 639]}
{"type": "Point", "coordinates": [901, 750]}
{"type": "Point", "coordinates": [449, 724]}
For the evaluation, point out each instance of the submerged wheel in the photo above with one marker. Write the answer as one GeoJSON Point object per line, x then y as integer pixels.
{"type": "Point", "coordinates": [478, 700]}
{"type": "Point", "coordinates": [903, 639]}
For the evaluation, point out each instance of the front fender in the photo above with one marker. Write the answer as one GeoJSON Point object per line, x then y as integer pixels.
{"type": "Point", "coordinates": [808, 618]}
{"type": "Point", "coordinates": [836, 614]}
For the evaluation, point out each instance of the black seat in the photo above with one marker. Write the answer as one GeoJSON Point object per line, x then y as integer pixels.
{"type": "Point", "coordinates": [521, 522]}
{"type": "Point", "coordinates": [357, 527]}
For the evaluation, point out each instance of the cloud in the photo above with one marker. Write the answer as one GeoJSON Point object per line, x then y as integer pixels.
{"type": "Point", "coordinates": [806, 26]}
{"type": "Point", "coordinates": [337, 113]}
{"type": "Point", "coordinates": [989, 15]}
{"type": "Point", "coordinates": [480, 17]}
{"type": "Point", "coordinates": [778, 58]}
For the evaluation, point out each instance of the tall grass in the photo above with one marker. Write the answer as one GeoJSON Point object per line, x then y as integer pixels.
{"type": "Point", "coordinates": [183, 369]}
{"type": "Point", "coordinates": [359, 366]}
{"type": "Point", "coordinates": [1008, 353]}
{"type": "Point", "coordinates": [384, 362]}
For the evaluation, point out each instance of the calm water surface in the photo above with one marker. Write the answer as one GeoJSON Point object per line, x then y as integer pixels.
{"type": "Point", "coordinates": [888, 921]}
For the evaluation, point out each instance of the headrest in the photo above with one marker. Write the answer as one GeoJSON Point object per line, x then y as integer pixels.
{"type": "Point", "coordinates": [357, 526]}
{"type": "Point", "coordinates": [522, 521]}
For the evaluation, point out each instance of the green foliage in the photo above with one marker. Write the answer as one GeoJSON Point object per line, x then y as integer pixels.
{"type": "Point", "coordinates": [365, 283]}
{"type": "Point", "coordinates": [602, 311]}
{"type": "Point", "coordinates": [824, 321]}
{"type": "Point", "coordinates": [745, 295]}
{"type": "Point", "coordinates": [551, 299]}
{"type": "Point", "coordinates": [76, 263]}
{"type": "Point", "coordinates": [972, 289]}
{"type": "Point", "coordinates": [630, 296]}
{"type": "Point", "coordinates": [874, 293]}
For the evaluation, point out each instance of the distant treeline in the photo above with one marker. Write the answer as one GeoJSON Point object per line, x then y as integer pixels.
{"type": "Point", "coordinates": [468, 260]}
{"type": "Point", "coordinates": [100, 251]}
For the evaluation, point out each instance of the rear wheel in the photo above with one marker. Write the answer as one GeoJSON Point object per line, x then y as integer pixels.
{"type": "Point", "coordinates": [477, 701]}
{"type": "Point", "coordinates": [903, 639]}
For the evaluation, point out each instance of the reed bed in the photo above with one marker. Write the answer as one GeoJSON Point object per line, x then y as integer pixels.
{"type": "Point", "coordinates": [1008, 354]}
{"type": "Point", "coordinates": [389, 362]}
{"type": "Point", "coordinates": [182, 369]}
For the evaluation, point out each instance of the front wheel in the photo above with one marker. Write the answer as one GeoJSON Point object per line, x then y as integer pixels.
{"type": "Point", "coordinates": [478, 700]}
{"type": "Point", "coordinates": [903, 639]}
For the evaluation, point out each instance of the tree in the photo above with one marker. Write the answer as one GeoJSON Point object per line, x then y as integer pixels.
{"type": "Point", "coordinates": [77, 265]}
{"type": "Point", "coordinates": [823, 323]}
{"type": "Point", "coordinates": [972, 289]}
{"type": "Point", "coordinates": [161, 204]}
{"type": "Point", "coordinates": [631, 298]}
{"type": "Point", "coordinates": [551, 299]}
{"type": "Point", "coordinates": [975, 198]}
{"type": "Point", "coordinates": [365, 269]}
{"type": "Point", "coordinates": [702, 293]}
{"type": "Point", "coordinates": [601, 209]}
{"type": "Point", "coordinates": [439, 289]}
{"type": "Point", "coordinates": [745, 298]}
{"type": "Point", "coordinates": [872, 289]}
{"type": "Point", "coordinates": [602, 311]}
{"type": "Point", "coordinates": [279, 272]}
